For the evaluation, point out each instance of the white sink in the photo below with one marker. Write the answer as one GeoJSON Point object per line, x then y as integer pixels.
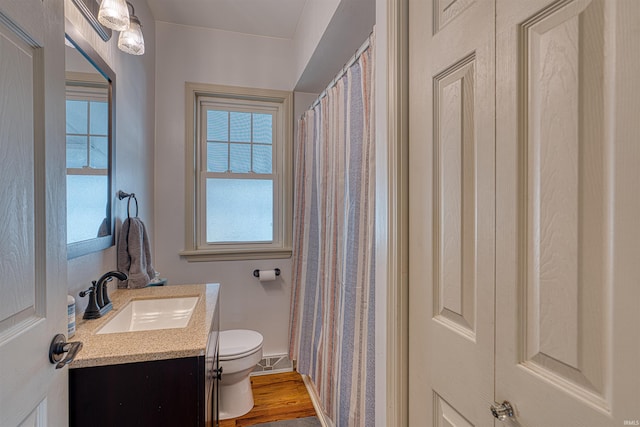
{"type": "Point", "coordinates": [150, 314]}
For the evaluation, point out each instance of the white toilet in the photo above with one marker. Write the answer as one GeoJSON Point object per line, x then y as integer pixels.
{"type": "Point", "coordinates": [239, 352]}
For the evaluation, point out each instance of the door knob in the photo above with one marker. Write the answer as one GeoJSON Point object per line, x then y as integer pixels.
{"type": "Point", "coordinates": [59, 346]}
{"type": "Point", "coordinates": [502, 411]}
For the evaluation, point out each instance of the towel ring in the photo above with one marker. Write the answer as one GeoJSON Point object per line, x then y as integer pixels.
{"type": "Point", "coordinates": [122, 195]}
{"type": "Point", "coordinates": [133, 196]}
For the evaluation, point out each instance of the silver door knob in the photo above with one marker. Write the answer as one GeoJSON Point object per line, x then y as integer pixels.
{"type": "Point", "coordinates": [502, 411]}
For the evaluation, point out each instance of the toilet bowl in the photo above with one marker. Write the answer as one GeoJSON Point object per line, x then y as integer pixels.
{"type": "Point", "coordinates": [239, 352]}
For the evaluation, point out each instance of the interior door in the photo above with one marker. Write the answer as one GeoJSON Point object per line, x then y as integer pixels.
{"type": "Point", "coordinates": [568, 245]}
{"type": "Point", "coordinates": [32, 220]}
{"type": "Point", "coordinates": [451, 212]}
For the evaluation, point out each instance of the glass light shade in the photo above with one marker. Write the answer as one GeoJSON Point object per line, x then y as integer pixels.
{"type": "Point", "coordinates": [131, 40]}
{"type": "Point", "coordinates": [114, 14]}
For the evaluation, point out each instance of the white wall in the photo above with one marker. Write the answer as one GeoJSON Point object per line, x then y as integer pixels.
{"type": "Point", "coordinates": [301, 103]}
{"type": "Point", "coordinates": [348, 27]}
{"type": "Point", "coordinates": [312, 25]}
{"type": "Point", "coordinates": [189, 54]}
{"type": "Point", "coordinates": [135, 92]}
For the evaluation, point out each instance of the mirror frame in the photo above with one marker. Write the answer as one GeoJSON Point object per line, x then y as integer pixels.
{"type": "Point", "coordinates": [77, 249]}
{"type": "Point", "coordinates": [89, 9]}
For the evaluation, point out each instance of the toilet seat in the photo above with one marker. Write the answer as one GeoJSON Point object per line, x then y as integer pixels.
{"type": "Point", "coordinates": [238, 343]}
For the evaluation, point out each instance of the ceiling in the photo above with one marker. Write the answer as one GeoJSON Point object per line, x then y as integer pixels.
{"type": "Point", "coordinates": [269, 18]}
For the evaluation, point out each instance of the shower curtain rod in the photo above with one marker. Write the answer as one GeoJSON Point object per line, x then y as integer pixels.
{"type": "Point", "coordinates": [343, 71]}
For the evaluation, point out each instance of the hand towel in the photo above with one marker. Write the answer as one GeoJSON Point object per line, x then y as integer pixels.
{"type": "Point", "coordinates": [134, 255]}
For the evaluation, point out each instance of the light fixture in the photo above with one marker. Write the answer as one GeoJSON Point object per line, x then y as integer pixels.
{"type": "Point", "coordinates": [131, 39]}
{"type": "Point", "coordinates": [114, 14]}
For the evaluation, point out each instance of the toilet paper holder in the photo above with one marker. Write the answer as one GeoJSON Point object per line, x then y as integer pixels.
{"type": "Point", "coordinates": [256, 272]}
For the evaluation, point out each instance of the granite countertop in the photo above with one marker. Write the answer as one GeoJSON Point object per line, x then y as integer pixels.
{"type": "Point", "coordinates": [129, 347]}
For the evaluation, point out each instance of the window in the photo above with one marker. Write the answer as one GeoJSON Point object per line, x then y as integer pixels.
{"type": "Point", "coordinates": [239, 178]}
{"type": "Point", "coordinates": [87, 134]}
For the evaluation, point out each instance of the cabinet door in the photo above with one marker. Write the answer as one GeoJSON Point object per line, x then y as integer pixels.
{"type": "Point", "coordinates": [212, 373]}
{"type": "Point", "coordinates": [158, 393]}
{"type": "Point", "coordinates": [568, 258]}
{"type": "Point", "coordinates": [215, 395]}
{"type": "Point", "coordinates": [451, 214]}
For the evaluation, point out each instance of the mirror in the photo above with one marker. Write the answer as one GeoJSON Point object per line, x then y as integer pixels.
{"type": "Point", "coordinates": [90, 116]}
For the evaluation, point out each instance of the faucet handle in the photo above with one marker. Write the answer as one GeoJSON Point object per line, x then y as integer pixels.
{"type": "Point", "coordinates": [89, 291]}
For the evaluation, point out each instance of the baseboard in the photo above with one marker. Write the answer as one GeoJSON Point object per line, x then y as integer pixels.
{"type": "Point", "coordinates": [313, 394]}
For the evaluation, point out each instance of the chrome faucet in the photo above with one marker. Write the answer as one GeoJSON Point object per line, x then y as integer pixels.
{"type": "Point", "coordinates": [99, 302]}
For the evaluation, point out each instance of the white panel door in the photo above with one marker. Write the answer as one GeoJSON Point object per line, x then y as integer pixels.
{"type": "Point", "coordinates": [451, 214]}
{"type": "Point", "coordinates": [553, 240]}
{"type": "Point", "coordinates": [32, 197]}
{"type": "Point", "coordinates": [568, 211]}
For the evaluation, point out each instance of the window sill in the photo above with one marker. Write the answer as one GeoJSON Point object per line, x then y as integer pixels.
{"type": "Point", "coordinates": [204, 255]}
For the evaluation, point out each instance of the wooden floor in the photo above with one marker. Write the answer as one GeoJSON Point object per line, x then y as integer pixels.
{"type": "Point", "coordinates": [281, 396]}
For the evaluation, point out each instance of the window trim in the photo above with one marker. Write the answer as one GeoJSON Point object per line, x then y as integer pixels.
{"type": "Point", "coordinates": [282, 246]}
{"type": "Point", "coordinates": [85, 90]}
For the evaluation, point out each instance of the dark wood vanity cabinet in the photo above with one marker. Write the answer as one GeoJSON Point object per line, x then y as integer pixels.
{"type": "Point", "coordinates": [175, 392]}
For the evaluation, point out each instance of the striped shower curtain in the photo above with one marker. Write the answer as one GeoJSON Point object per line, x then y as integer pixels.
{"type": "Point", "coordinates": [332, 305]}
